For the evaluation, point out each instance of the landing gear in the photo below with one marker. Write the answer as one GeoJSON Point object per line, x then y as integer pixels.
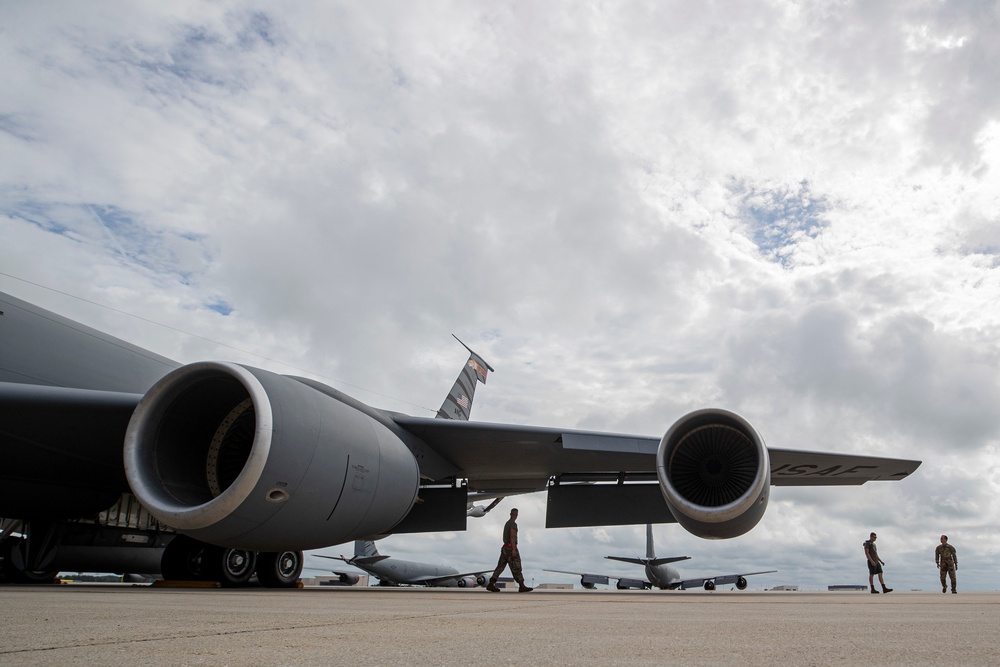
{"type": "Point", "coordinates": [232, 567]}
{"type": "Point", "coordinates": [16, 569]}
{"type": "Point", "coordinates": [280, 569]}
{"type": "Point", "coordinates": [187, 559]}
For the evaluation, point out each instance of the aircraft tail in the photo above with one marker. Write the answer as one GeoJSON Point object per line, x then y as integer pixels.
{"type": "Point", "coordinates": [650, 558]}
{"type": "Point", "coordinates": [365, 549]}
{"type": "Point", "coordinates": [458, 403]}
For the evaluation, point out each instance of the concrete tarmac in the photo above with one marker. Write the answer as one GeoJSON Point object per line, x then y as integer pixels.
{"type": "Point", "coordinates": [141, 625]}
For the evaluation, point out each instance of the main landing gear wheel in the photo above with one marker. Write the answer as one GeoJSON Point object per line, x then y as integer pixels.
{"type": "Point", "coordinates": [232, 567]}
{"type": "Point", "coordinates": [14, 569]}
{"type": "Point", "coordinates": [279, 569]}
{"type": "Point", "coordinates": [186, 559]}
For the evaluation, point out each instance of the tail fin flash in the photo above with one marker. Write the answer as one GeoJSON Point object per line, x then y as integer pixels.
{"type": "Point", "coordinates": [458, 403]}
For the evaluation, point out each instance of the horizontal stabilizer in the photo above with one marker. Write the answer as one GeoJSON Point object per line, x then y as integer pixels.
{"type": "Point", "coordinates": [625, 559]}
{"type": "Point", "coordinates": [649, 561]}
{"type": "Point", "coordinates": [364, 560]}
{"type": "Point", "coordinates": [664, 561]}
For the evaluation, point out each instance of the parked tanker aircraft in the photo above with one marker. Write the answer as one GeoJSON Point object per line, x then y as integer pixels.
{"type": "Point", "coordinates": [660, 574]}
{"type": "Point", "coordinates": [397, 572]}
{"type": "Point", "coordinates": [114, 458]}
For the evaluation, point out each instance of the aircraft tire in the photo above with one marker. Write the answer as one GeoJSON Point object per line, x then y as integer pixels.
{"type": "Point", "coordinates": [185, 559]}
{"type": "Point", "coordinates": [279, 569]}
{"type": "Point", "coordinates": [15, 575]}
{"type": "Point", "coordinates": [231, 567]}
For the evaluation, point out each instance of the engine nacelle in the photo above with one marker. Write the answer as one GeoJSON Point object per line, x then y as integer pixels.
{"type": "Point", "coordinates": [241, 457]}
{"type": "Point", "coordinates": [715, 473]}
{"type": "Point", "coordinates": [741, 583]}
{"type": "Point", "coordinates": [482, 579]}
{"type": "Point", "coordinates": [348, 579]}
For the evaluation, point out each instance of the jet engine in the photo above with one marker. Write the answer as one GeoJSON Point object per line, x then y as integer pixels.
{"type": "Point", "coordinates": [241, 457]}
{"type": "Point", "coordinates": [715, 473]}
{"type": "Point", "coordinates": [348, 579]}
{"type": "Point", "coordinates": [741, 583]}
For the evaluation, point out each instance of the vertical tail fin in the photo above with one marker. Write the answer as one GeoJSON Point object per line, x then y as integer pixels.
{"type": "Point", "coordinates": [458, 403]}
{"type": "Point", "coordinates": [650, 553]}
{"type": "Point", "coordinates": [364, 548]}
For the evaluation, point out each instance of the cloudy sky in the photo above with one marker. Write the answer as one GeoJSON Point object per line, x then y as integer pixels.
{"type": "Point", "coordinates": [791, 211]}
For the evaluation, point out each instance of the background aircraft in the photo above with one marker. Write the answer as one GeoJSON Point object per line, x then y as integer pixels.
{"type": "Point", "coordinates": [660, 574]}
{"type": "Point", "coordinates": [108, 451]}
{"type": "Point", "coordinates": [395, 572]}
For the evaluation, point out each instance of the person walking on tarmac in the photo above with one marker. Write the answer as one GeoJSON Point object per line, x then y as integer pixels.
{"type": "Point", "coordinates": [509, 556]}
{"type": "Point", "coordinates": [874, 565]}
{"type": "Point", "coordinates": [947, 561]}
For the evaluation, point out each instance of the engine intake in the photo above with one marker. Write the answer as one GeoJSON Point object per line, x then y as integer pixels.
{"type": "Point", "coordinates": [715, 474]}
{"type": "Point", "coordinates": [241, 457]}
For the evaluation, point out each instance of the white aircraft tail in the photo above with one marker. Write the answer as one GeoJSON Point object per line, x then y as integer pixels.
{"type": "Point", "coordinates": [650, 558]}
{"type": "Point", "coordinates": [365, 549]}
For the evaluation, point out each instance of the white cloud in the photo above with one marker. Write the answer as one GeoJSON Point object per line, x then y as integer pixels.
{"type": "Point", "coordinates": [785, 210]}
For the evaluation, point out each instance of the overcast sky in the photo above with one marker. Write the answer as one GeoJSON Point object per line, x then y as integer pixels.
{"type": "Point", "coordinates": [789, 210]}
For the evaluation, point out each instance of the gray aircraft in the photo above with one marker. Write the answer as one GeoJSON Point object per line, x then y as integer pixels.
{"type": "Point", "coordinates": [113, 458]}
{"type": "Point", "coordinates": [397, 572]}
{"type": "Point", "coordinates": [660, 574]}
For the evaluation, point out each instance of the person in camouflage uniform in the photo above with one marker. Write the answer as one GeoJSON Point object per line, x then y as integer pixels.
{"type": "Point", "coordinates": [509, 556]}
{"type": "Point", "coordinates": [874, 565]}
{"type": "Point", "coordinates": [947, 561]}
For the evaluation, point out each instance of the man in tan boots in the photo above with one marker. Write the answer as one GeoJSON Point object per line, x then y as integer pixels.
{"type": "Point", "coordinates": [509, 556]}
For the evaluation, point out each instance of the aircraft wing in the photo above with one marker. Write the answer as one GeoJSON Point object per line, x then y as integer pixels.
{"type": "Point", "coordinates": [430, 581]}
{"type": "Point", "coordinates": [594, 478]}
{"type": "Point", "coordinates": [522, 458]}
{"type": "Point", "coordinates": [589, 580]}
{"type": "Point", "coordinates": [719, 580]}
